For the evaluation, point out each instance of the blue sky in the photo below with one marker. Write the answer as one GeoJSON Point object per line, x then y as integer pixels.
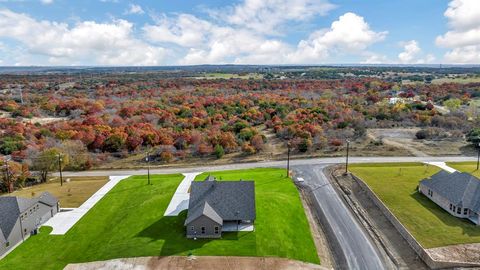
{"type": "Point", "coordinates": [184, 32]}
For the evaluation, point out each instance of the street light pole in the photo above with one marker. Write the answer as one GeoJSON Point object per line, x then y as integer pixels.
{"type": "Point", "coordinates": [288, 158]}
{"type": "Point", "coordinates": [60, 168]}
{"type": "Point", "coordinates": [148, 166]}
{"type": "Point", "coordinates": [346, 161]}
{"type": "Point", "coordinates": [478, 158]}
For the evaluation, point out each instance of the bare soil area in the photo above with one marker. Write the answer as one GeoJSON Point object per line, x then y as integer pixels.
{"type": "Point", "coordinates": [404, 138]}
{"type": "Point", "coordinates": [197, 263]}
{"type": "Point", "coordinates": [469, 253]}
{"type": "Point", "coordinates": [384, 233]}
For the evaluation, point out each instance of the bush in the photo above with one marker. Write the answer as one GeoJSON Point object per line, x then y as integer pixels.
{"type": "Point", "coordinates": [422, 134]}
{"type": "Point", "coordinates": [219, 152]}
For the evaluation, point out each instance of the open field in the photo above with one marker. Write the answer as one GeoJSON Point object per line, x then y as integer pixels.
{"type": "Point", "coordinates": [70, 195]}
{"type": "Point", "coordinates": [129, 222]}
{"type": "Point", "coordinates": [396, 185]}
{"type": "Point", "coordinates": [469, 167]}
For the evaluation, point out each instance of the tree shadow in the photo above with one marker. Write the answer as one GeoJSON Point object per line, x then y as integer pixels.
{"type": "Point", "coordinates": [171, 230]}
{"type": "Point", "coordinates": [468, 228]}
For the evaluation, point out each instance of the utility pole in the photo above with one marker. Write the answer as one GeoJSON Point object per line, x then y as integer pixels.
{"type": "Point", "coordinates": [148, 165]}
{"type": "Point", "coordinates": [478, 158]}
{"type": "Point", "coordinates": [288, 159]}
{"type": "Point", "coordinates": [60, 168]}
{"type": "Point", "coordinates": [346, 161]}
{"type": "Point", "coordinates": [7, 175]}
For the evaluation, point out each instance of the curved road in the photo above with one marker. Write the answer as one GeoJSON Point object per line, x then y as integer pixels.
{"type": "Point", "coordinates": [350, 240]}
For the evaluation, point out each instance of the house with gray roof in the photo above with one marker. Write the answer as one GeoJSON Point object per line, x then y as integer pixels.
{"type": "Point", "coordinates": [457, 193]}
{"type": "Point", "coordinates": [21, 217]}
{"type": "Point", "coordinates": [216, 206]}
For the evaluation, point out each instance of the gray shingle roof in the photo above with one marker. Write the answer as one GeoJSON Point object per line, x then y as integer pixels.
{"type": "Point", "coordinates": [461, 189]}
{"type": "Point", "coordinates": [204, 210]}
{"type": "Point", "coordinates": [48, 199]}
{"type": "Point", "coordinates": [12, 207]}
{"type": "Point", "coordinates": [231, 200]}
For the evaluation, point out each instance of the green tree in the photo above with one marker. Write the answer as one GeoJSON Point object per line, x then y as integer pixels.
{"type": "Point", "coordinates": [452, 104]}
{"type": "Point", "coordinates": [474, 136]}
{"type": "Point", "coordinates": [219, 152]}
{"type": "Point", "coordinates": [47, 161]}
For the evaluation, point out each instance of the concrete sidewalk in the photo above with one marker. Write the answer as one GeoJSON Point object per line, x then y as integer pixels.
{"type": "Point", "coordinates": [181, 197]}
{"type": "Point", "coordinates": [442, 165]}
{"type": "Point", "coordinates": [62, 222]}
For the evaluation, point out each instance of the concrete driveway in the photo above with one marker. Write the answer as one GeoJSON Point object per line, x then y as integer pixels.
{"type": "Point", "coordinates": [181, 197]}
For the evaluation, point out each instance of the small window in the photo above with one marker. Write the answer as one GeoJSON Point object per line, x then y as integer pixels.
{"type": "Point", "coordinates": [454, 207]}
{"type": "Point", "coordinates": [7, 244]}
{"type": "Point", "coordinates": [459, 210]}
{"type": "Point", "coordinates": [192, 228]}
{"type": "Point", "coordinates": [450, 206]}
{"type": "Point", "coordinates": [465, 211]}
{"type": "Point", "coordinates": [216, 229]}
{"type": "Point", "coordinates": [203, 230]}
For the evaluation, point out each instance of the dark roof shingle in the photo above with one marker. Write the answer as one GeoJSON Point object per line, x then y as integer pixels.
{"type": "Point", "coordinates": [231, 200]}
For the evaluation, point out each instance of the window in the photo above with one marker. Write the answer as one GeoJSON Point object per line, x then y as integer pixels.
{"type": "Point", "coordinates": [7, 244]}
{"type": "Point", "coordinates": [459, 210]}
{"type": "Point", "coordinates": [454, 208]}
{"type": "Point", "coordinates": [192, 228]}
{"type": "Point", "coordinates": [203, 230]}
{"type": "Point", "coordinates": [216, 229]}
{"type": "Point", "coordinates": [465, 211]}
{"type": "Point", "coordinates": [450, 206]}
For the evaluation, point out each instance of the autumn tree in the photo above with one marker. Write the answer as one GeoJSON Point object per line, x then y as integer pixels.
{"type": "Point", "coordinates": [47, 161]}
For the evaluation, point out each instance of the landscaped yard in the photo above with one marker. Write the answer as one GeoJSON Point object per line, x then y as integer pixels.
{"type": "Point", "coordinates": [470, 167]}
{"type": "Point", "coordinates": [396, 185]}
{"type": "Point", "coordinates": [70, 195]}
{"type": "Point", "coordinates": [129, 222]}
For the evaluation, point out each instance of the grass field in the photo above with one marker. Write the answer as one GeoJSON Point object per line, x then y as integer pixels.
{"type": "Point", "coordinates": [129, 222]}
{"type": "Point", "coordinates": [469, 167]}
{"type": "Point", "coordinates": [70, 195]}
{"type": "Point", "coordinates": [396, 185]}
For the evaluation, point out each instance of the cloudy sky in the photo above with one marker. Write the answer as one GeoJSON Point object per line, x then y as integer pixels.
{"type": "Point", "coordinates": [185, 32]}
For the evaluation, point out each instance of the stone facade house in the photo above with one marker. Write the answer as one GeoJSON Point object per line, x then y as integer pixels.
{"type": "Point", "coordinates": [457, 193]}
{"type": "Point", "coordinates": [217, 206]}
{"type": "Point", "coordinates": [21, 217]}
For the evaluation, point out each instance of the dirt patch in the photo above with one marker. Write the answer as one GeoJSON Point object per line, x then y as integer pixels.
{"type": "Point", "coordinates": [381, 229]}
{"type": "Point", "coordinates": [197, 263]}
{"type": "Point", "coordinates": [469, 253]}
{"type": "Point", "coordinates": [404, 138]}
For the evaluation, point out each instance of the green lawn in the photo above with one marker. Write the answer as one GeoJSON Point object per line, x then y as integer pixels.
{"type": "Point", "coordinates": [470, 167]}
{"type": "Point", "coordinates": [129, 222]}
{"type": "Point", "coordinates": [396, 185]}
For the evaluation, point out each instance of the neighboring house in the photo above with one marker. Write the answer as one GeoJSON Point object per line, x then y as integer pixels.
{"type": "Point", "coordinates": [21, 217]}
{"type": "Point", "coordinates": [457, 193]}
{"type": "Point", "coordinates": [217, 206]}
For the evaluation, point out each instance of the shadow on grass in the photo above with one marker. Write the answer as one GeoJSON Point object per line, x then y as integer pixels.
{"type": "Point", "coordinates": [171, 230]}
{"type": "Point", "coordinates": [468, 228]}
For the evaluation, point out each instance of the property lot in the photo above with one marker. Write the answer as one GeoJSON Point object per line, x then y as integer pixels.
{"type": "Point", "coordinates": [396, 185]}
{"type": "Point", "coordinates": [70, 195]}
{"type": "Point", "coordinates": [469, 167]}
{"type": "Point", "coordinates": [129, 222]}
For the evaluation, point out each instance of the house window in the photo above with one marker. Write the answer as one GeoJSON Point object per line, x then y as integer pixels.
{"type": "Point", "coordinates": [192, 228]}
{"type": "Point", "coordinates": [465, 211]}
{"type": "Point", "coordinates": [203, 230]}
{"type": "Point", "coordinates": [454, 207]}
{"type": "Point", "coordinates": [7, 244]}
{"type": "Point", "coordinates": [450, 206]}
{"type": "Point", "coordinates": [216, 229]}
{"type": "Point", "coordinates": [459, 210]}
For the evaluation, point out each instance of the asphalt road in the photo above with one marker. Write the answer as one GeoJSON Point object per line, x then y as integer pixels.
{"type": "Point", "coordinates": [281, 164]}
{"type": "Point", "coordinates": [351, 245]}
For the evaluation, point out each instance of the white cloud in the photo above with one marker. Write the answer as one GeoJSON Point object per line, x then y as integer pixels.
{"type": "Point", "coordinates": [463, 37]}
{"type": "Point", "coordinates": [374, 58]}
{"type": "Point", "coordinates": [47, 2]}
{"type": "Point", "coordinates": [412, 54]}
{"type": "Point", "coordinates": [350, 34]}
{"type": "Point", "coordinates": [86, 42]}
{"type": "Point", "coordinates": [135, 9]}
{"type": "Point", "coordinates": [266, 16]}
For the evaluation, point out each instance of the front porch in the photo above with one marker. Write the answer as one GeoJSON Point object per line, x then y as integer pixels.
{"type": "Point", "coordinates": [238, 226]}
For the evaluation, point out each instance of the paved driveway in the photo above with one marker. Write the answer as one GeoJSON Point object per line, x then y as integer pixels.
{"type": "Point", "coordinates": [62, 222]}
{"type": "Point", "coordinates": [181, 197]}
